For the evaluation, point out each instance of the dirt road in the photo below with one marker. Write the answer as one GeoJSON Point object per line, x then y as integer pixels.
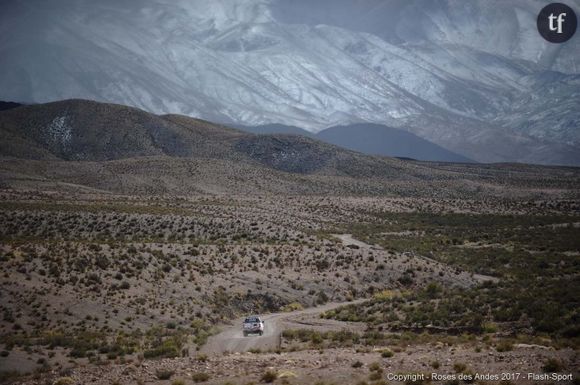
{"type": "Point", "coordinates": [347, 239]}
{"type": "Point", "coordinates": [231, 339]}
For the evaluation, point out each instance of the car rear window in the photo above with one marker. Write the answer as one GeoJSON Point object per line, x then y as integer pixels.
{"type": "Point", "coordinates": [252, 319]}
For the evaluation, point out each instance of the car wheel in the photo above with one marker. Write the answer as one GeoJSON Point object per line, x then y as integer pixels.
{"type": "Point", "coordinates": [245, 334]}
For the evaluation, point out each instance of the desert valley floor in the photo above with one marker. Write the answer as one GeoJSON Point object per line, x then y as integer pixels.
{"type": "Point", "coordinates": [117, 289]}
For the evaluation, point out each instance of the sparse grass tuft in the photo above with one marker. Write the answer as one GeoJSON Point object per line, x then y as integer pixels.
{"type": "Point", "coordinates": [294, 306]}
{"type": "Point", "coordinates": [200, 377]}
{"type": "Point", "coordinates": [64, 381]}
{"type": "Point", "coordinates": [552, 365]}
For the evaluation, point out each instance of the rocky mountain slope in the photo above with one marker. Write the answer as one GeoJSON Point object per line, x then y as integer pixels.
{"type": "Point", "coordinates": [119, 148]}
{"type": "Point", "coordinates": [474, 78]}
{"type": "Point", "coordinates": [80, 130]}
{"type": "Point", "coordinates": [79, 145]}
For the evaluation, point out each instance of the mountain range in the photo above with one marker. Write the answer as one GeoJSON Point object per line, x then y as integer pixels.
{"type": "Point", "coordinates": [86, 146]}
{"type": "Point", "coordinates": [474, 78]}
{"type": "Point", "coordinates": [371, 139]}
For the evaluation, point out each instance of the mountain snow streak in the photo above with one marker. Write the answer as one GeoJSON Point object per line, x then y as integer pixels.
{"type": "Point", "coordinates": [474, 77]}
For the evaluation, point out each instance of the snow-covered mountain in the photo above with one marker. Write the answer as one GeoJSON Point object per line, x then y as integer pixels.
{"type": "Point", "coordinates": [474, 77]}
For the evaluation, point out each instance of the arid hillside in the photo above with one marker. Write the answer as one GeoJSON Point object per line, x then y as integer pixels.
{"type": "Point", "coordinates": [85, 146]}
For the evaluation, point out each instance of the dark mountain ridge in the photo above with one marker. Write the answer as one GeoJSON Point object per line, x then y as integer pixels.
{"type": "Point", "coordinates": [370, 139]}
{"type": "Point", "coordinates": [8, 105]}
{"type": "Point", "coordinates": [81, 130]}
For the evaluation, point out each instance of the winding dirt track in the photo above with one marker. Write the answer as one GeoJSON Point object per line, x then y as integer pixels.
{"type": "Point", "coordinates": [231, 339]}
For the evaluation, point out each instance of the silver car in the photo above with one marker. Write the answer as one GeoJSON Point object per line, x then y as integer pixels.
{"type": "Point", "coordinates": [253, 325]}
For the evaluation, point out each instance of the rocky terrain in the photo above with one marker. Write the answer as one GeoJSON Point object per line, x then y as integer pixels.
{"type": "Point", "coordinates": [326, 367]}
{"type": "Point", "coordinates": [105, 288]}
{"type": "Point", "coordinates": [131, 243]}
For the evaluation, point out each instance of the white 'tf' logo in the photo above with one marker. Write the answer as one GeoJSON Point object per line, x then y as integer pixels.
{"type": "Point", "coordinates": [559, 19]}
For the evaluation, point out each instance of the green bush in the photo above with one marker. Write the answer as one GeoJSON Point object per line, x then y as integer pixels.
{"type": "Point", "coordinates": [200, 377]}
{"type": "Point", "coordinates": [269, 376]}
{"type": "Point", "coordinates": [504, 346]}
{"type": "Point", "coordinates": [387, 353]}
{"type": "Point", "coordinates": [490, 327]}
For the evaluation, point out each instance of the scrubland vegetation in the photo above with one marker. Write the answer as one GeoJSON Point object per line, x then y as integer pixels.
{"type": "Point", "coordinates": [533, 260]}
{"type": "Point", "coordinates": [125, 281]}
